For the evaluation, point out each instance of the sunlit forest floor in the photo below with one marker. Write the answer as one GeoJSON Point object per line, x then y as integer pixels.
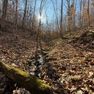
{"type": "Point", "coordinates": [69, 62]}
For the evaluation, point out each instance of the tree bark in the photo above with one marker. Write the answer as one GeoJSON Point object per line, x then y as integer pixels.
{"type": "Point", "coordinates": [24, 16]}
{"type": "Point", "coordinates": [89, 12]}
{"type": "Point", "coordinates": [23, 79]}
{"type": "Point", "coordinates": [5, 4]}
{"type": "Point", "coordinates": [61, 20]}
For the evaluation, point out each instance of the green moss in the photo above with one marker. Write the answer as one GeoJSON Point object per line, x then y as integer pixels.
{"type": "Point", "coordinates": [24, 79]}
{"type": "Point", "coordinates": [17, 70]}
{"type": "Point", "coordinates": [42, 84]}
{"type": "Point", "coordinates": [23, 73]}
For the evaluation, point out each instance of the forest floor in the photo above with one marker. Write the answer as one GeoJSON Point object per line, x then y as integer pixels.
{"type": "Point", "coordinates": [73, 61]}
{"type": "Point", "coordinates": [69, 62]}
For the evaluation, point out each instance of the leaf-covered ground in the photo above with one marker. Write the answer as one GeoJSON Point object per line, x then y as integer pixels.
{"type": "Point", "coordinates": [69, 62]}
{"type": "Point", "coordinates": [73, 61]}
{"type": "Point", "coordinates": [16, 47]}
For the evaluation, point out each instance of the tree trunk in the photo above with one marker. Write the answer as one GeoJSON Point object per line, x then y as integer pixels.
{"type": "Point", "coordinates": [24, 16]}
{"type": "Point", "coordinates": [16, 14]}
{"type": "Point", "coordinates": [5, 4]}
{"type": "Point", "coordinates": [89, 12]}
{"type": "Point", "coordinates": [69, 15]}
{"type": "Point", "coordinates": [81, 13]}
{"type": "Point", "coordinates": [61, 20]}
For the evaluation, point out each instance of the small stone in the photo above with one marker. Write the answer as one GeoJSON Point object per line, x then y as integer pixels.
{"type": "Point", "coordinates": [90, 74]}
{"type": "Point", "coordinates": [79, 92]}
{"type": "Point", "coordinates": [14, 65]}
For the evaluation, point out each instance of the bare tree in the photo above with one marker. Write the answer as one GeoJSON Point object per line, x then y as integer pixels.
{"type": "Point", "coordinates": [69, 14]}
{"type": "Point", "coordinates": [16, 14]}
{"type": "Point", "coordinates": [73, 12]}
{"type": "Point", "coordinates": [5, 5]}
{"type": "Point", "coordinates": [38, 34]}
{"type": "Point", "coordinates": [88, 12]}
{"type": "Point", "coordinates": [61, 20]}
{"type": "Point", "coordinates": [24, 16]}
{"type": "Point", "coordinates": [33, 20]}
{"type": "Point", "coordinates": [56, 23]}
{"type": "Point", "coordinates": [81, 13]}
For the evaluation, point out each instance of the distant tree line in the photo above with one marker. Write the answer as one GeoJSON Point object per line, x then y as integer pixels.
{"type": "Point", "coordinates": [73, 14]}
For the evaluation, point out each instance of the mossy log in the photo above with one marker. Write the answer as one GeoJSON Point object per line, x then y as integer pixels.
{"type": "Point", "coordinates": [25, 80]}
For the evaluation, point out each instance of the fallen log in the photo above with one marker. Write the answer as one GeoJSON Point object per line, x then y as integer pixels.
{"type": "Point", "coordinates": [25, 80]}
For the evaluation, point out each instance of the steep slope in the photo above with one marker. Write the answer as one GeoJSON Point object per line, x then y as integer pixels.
{"type": "Point", "coordinates": [73, 63]}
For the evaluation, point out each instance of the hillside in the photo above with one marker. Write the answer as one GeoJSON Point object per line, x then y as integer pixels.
{"type": "Point", "coordinates": [73, 61]}
{"type": "Point", "coordinates": [69, 62]}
